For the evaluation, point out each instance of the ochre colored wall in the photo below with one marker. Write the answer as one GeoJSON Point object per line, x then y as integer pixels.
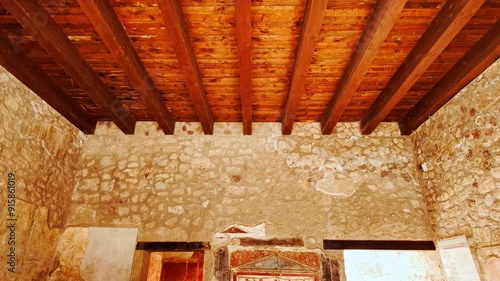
{"type": "Point", "coordinates": [41, 149]}
{"type": "Point", "coordinates": [458, 152]}
{"type": "Point", "coordinates": [188, 186]}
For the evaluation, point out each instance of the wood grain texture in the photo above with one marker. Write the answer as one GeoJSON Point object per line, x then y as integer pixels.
{"type": "Point", "coordinates": [381, 21]}
{"type": "Point", "coordinates": [275, 242]}
{"type": "Point", "coordinates": [111, 31]}
{"type": "Point", "coordinates": [244, 33]}
{"type": "Point", "coordinates": [175, 25]}
{"type": "Point", "coordinates": [159, 246]}
{"type": "Point", "coordinates": [451, 18]}
{"type": "Point", "coordinates": [276, 25]}
{"type": "Point", "coordinates": [474, 62]}
{"type": "Point", "coordinates": [378, 245]}
{"type": "Point", "coordinates": [31, 75]}
{"type": "Point", "coordinates": [315, 11]}
{"type": "Point", "coordinates": [52, 38]}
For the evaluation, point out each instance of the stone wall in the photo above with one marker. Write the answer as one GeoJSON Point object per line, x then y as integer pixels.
{"type": "Point", "coordinates": [458, 152]}
{"type": "Point", "coordinates": [188, 186]}
{"type": "Point", "coordinates": [39, 149]}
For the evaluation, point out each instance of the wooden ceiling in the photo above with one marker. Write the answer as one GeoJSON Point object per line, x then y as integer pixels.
{"type": "Point", "coordinates": [248, 61]}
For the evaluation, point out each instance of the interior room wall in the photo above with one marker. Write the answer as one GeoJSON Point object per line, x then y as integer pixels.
{"type": "Point", "coordinates": [39, 150]}
{"type": "Point", "coordinates": [458, 155]}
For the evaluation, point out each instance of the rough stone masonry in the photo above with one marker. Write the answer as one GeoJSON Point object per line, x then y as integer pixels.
{"type": "Point", "coordinates": [188, 186]}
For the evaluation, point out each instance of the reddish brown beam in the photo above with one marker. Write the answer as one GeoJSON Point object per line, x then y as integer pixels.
{"type": "Point", "coordinates": [51, 37]}
{"type": "Point", "coordinates": [314, 14]}
{"type": "Point", "coordinates": [379, 245]}
{"type": "Point", "coordinates": [31, 75]}
{"type": "Point", "coordinates": [244, 32]}
{"type": "Point", "coordinates": [172, 246]}
{"type": "Point", "coordinates": [106, 22]}
{"type": "Point", "coordinates": [384, 15]}
{"type": "Point", "coordinates": [274, 242]}
{"type": "Point", "coordinates": [176, 27]}
{"type": "Point", "coordinates": [485, 52]}
{"type": "Point", "coordinates": [448, 22]}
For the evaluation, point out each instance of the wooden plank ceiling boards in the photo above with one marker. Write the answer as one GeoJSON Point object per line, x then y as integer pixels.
{"type": "Point", "coordinates": [381, 21]}
{"type": "Point", "coordinates": [31, 75]}
{"type": "Point", "coordinates": [37, 20]}
{"type": "Point", "coordinates": [315, 11]}
{"type": "Point", "coordinates": [475, 61]}
{"type": "Point", "coordinates": [177, 29]}
{"type": "Point", "coordinates": [328, 61]}
{"type": "Point", "coordinates": [447, 23]}
{"type": "Point", "coordinates": [107, 24]}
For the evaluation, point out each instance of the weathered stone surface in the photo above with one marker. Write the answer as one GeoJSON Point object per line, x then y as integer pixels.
{"type": "Point", "coordinates": [69, 254]}
{"type": "Point", "coordinates": [188, 186]}
{"type": "Point", "coordinates": [41, 148]}
{"type": "Point", "coordinates": [458, 150]}
{"type": "Point", "coordinates": [350, 187]}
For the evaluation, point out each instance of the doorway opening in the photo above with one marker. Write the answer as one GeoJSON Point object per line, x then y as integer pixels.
{"type": "Point", "coordinates": [171, 261]}
{"type": "Point", "coordinates": [183, 268]}
{"type": "Point", "coordinates": [376, 265]}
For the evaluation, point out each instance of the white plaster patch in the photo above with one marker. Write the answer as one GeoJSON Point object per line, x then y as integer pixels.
{"type": "Point", "coordinates": [457, 259]}
{"type": "Point", "coordinates": [333, 187]}
{"type": "Point", "coordinates": [258, 231]}
{"type": "Point", "coordinates": [109, 248]}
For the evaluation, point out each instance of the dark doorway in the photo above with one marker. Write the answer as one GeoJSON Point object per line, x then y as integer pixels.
{"type": "Point", "coordinates": [183, 269]}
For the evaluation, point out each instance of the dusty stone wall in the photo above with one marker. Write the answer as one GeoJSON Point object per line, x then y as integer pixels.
{"type": "Point", "coordinates": [458, 151]}
{"type": "Point", "coordinates": [41, 149]}
{"type": "Point", "coordinates": [188, 186]}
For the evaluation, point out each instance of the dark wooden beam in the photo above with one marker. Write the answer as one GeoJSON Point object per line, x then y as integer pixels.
{"type": "Point", "coordinates": [282, 242]}
{"type": "Point", "coordinates": [314, 14]}
{"type": "Point", "coordinates": [176, 27]}
{"type": "Point", "coordinates": [52, 38]}
{"type": "Point", "coordinates": [378, 245]}
{"type": "Point", "coordinates": [106, 22]}
{"type": "Point", "coordinates": [244, 32]}
{"type": "Point", "coordinates": [384, 15]}
{"type": "Point", "coordinates": [485, 52]}
{"type": "Point", "coordinates": [31, 75]}
{"type": "Point", "coordinates": [447, 23]}
{"type": "Point", "coordinates": [172, 246]}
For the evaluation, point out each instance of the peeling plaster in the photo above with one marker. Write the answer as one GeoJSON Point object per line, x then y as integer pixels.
{"type": "Point", "coordinates": [334, 187]}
